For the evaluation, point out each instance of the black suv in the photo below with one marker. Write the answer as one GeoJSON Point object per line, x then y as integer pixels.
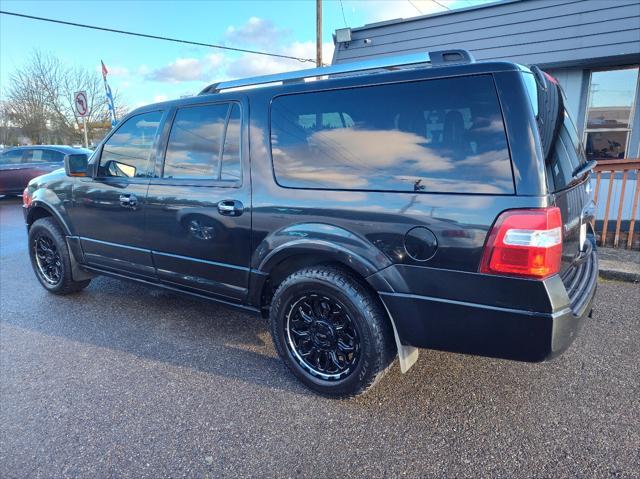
{"type": "Point", "coordinates": [425, 201]}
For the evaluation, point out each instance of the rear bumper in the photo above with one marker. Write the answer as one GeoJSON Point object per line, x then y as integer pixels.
{"type": "Point", "coordinates": [518, 333]}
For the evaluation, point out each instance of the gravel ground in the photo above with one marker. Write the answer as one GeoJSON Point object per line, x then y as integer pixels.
{"type": "Point", "coordinates": [129, 381]}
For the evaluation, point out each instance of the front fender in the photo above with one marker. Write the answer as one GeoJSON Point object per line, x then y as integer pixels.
{"type": "Point", "coordinates": [55, 204]}
{"type": "Point", "coordinates": [328, 241]}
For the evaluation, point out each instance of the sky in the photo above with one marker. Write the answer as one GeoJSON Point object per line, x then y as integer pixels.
{"type": "Point", "coordinates": [144, 71]}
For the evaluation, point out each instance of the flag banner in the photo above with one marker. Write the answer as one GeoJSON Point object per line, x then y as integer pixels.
{"type": "Point", "coordinates": [107, 90]}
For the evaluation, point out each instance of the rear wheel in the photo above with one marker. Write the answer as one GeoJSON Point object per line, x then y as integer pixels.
{"type": "Point", "coordinates": [50, 258]}
{"type": "Point", "coordinates": [331, 331]}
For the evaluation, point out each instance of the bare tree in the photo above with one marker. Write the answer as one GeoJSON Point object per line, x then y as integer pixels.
{"type": "Point", "coordinates": [40, 100]}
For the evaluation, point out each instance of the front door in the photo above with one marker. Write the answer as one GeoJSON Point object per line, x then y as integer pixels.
{"type": "Point", "coordinates": [109, 210]}
{"type": "Point", "coordinates": [198, 206]}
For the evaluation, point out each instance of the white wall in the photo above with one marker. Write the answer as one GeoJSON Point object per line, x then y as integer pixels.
{"type": "Point", "coordinates": [571, 82]}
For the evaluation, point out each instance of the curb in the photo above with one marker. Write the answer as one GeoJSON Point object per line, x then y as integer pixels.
{"type": "Point", "coordinates": [618, 275]}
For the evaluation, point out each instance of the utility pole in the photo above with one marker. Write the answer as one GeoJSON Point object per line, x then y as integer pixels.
{"type": "Point", "coordinates": [319, 33]}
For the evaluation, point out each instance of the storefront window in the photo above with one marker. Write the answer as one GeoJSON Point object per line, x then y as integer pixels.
{"type": "Point", "coordinates": [609, 113]}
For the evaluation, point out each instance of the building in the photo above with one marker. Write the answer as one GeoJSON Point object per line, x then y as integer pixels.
{"type": "Point", "coordinates": [592, 47]}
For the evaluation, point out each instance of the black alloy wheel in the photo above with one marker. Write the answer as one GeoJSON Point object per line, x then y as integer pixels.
{"type": "Point", "coordinates": [331, 330]}
{"type": "Point", "coordinates": [48, 259]}
{"type": "Point", "coordinates": [51, 259]}
{"type": "Point", "coordinates": [322, 337]}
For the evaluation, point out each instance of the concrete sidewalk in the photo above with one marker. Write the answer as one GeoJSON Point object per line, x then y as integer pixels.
{"type": "Point", "coordinates": [620, 264]}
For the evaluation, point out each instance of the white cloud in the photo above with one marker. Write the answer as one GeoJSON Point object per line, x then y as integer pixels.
{"type": "Point", "coordinates": [218, 67]}
{"type": "Point", "coordinates": [118, 71]}
{"type": "Point", "coordinates": [256, 32]}
{"type": "Point", "coordinates": [186, 69]}
{"type": "Point", "coordinates": [196, 72]}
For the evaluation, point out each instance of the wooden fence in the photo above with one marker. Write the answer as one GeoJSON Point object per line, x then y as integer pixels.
{"type": "Point", "coordinates": [623, 235]}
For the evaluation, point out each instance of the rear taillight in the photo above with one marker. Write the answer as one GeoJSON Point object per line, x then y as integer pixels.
{"type": "Point", "coordinates": [550, 78]}
{"type": "Point", "coordinates": [524, 243]}
{"type": "Point", "coordinates": [26, 197]}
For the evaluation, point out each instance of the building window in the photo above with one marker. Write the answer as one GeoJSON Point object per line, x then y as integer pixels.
{"type": "Point", "coordinates": [610, 109]}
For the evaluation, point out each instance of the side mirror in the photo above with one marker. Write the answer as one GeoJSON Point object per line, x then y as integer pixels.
{"type": "Point", "coordinates": [76, 165]}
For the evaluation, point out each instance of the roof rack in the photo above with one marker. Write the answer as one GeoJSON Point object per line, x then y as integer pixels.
{"type": "Point", "coordinates": [441, 57]}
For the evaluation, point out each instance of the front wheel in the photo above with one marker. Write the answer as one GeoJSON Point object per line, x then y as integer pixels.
{"type": "Point", "coordinates": [50, 258]}
{"type": "Point", "coordinates": [331, 331]}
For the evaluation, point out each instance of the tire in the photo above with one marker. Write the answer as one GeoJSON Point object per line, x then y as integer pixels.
{"type": "Point", "coordinates": [50, 258]}
{"type": "Point", "coordinates": [339, 348]}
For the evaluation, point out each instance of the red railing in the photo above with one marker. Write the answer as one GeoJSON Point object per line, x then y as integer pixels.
{"type": "Point", "coordinates": [613, 167]}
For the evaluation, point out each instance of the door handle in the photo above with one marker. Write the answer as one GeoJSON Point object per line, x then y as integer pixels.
{"type": "Point", "coordinates": [128, 201]}
{"type": "Point", "coordinates": [230, 208]}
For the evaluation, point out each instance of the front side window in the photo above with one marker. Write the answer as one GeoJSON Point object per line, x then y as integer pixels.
{"type": "Point", "coordinates": [444, 135]}
{"type": "Point", "coordinates": [129, 151]}
{"type": "Point", "coordinates": [609, 109]}
{"type": "Point", "coordinates": [11, 157]}
{"type": "Point", "coordinates": [204, 144]}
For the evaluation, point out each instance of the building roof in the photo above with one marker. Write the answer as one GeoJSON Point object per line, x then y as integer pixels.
{"type": "Point", "coordinates": [550, 33]}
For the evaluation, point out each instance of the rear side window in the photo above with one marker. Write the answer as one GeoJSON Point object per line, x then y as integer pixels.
{"type": "Point", "coordinates": [204, 143]}
{"type": "Point", "coordinates": [230, 167]}
{"type": "Point", "coordinates": [443, 135]}
{"type": "Point", "coordinates": [52, 156]}
{"type": "Point", "coordinates": [128, 152]}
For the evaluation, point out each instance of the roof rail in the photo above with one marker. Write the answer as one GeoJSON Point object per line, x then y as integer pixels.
{"type": "Point", "coordinates": [390, 63]}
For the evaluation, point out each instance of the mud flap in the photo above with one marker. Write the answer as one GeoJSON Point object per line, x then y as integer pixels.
{"type": "Point", "coordinates": [77, 272]}
{"type": "Point", "coordinates": [407, 355]}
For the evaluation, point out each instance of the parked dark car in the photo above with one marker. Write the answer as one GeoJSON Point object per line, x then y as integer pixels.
{"type": "Point", "coordinates": [20, 164]}
{"type": "Point", "coordinates": [443, 204]}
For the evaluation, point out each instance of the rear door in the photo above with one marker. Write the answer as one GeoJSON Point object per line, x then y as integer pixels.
{"type": "Point", "coordinates": [109, 210]}
{"type": "Point", "coordinates": [39, 161]}
{"type": "Point", "coordinates": [198, 206]}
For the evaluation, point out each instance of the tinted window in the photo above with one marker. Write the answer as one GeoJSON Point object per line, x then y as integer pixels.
{"type": "Point", "coordinates": [32, 156]}
{"type": "Point", "coordinates": [43, 156]}
{"type": "Point", "coordinates": [566, 156]}
{"type": "Point", "coordinates": [52, 156]}
{"type": "Point", "coordinates": [435, 136]}
{"type": "Point", "coordinates": [230, 170]}
{"type": "Point", "coordinates": [129, 151]}
{"type": "Point", "coordinates": [11, 157]}
{"type": "Point", "coordinates": [195, 142]}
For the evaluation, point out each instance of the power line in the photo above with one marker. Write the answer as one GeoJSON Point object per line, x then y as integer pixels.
{"type": "Point", "coordinates": [414, 6]}
{"type": "Point", "coordinates": [434, 1]}
{"type": "Point", "coordinates": [157, 37]}
{"type": "Point", "coordinates": [438, 3]}
{"type": "Point", "coordinates": [343, 17]}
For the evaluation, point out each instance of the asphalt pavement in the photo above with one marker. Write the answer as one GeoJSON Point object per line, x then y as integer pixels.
{"type": "Point", "coordinates": [124, 380]}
